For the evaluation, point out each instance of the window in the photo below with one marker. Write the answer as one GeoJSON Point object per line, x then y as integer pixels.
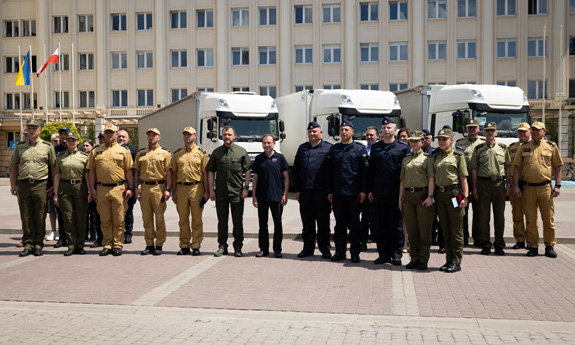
{"type": "Point", "coordinates": [369, 52]}
{"type": "Point", "coordinates": [63, 63]}
{"type": "Point", "coordinates": [368, 11]}
{"type": "Point", "coordinates": [11, 64]}
{"type": "Point", "coordinates": [26, 100]}
{"type": "Point", "coordinates": [437, 51]}
{"type": "Point", "coordinates": [178, 20]}
{"type": "Point", "coordinates": [506, 7]}
{"type": "Point", "coordinates": [119, 98]}
{"type": "Point", "coordinates": [240, 17]}
{"type": "Point", "coordinates": [397, 87]}
{"type": "Point", "coordinates": [507, 83]}
{"type": "Point", "coordinates": [303, 54]}
{"type": "Point", "coordinates": [240, 57]}
{"type": "Point", "coordinates": [28, 28]}
{"type": "Point", "coordinates": [267, 55]}
{"type": "Point", "coordinates": [178, 94]}
{"type": "Point", "coordinates": [303, 87]}
{"type": "Point", "coordinates": [12, 101]}
{"type": "Point", "coordinates": [146, 98]}
{"type": "Point", "coordinates": [398, 52]}
{"type": "Point", "coordinates": [86, 99]}
{"type": "Point", "coordinates": [206, 89]}
{"type": "Point", "coordinates": [241, 89]}
{"type": "Point", "coordinates": [332, 13]}
{"type": "Point", "coordinates": [571, 6]}
{"type": "Point", "coordinates": [466, 8]}
{"type": "Point", "coordinates": [144, 21]}
{"type": "Point", "coordinates": [303, 14]}
{"type": "Point", "coordinates": [65, 99]}
{"type": "Point", "coordinates": [535, 47]}
{"type": "Point", "coordinates": [466, 50]}
{"type": "Point", "coordinates": [268, 91]}
{"type": "Point", "coordinates": [436, 9]}
{"type": "Point", "coordinates": [369, 86]}
{"type": "Point", "coordinates": [86, 62]}
{"type": "Point", "coordinates": [60, 25]}
{"type": "Point", "coordinates": [119, 60]}
{"type": "Point", "coordinates": [205, 19]}
{"type": "Point", "coordinates": [268, 16]}
{"type": "Point", "coordinates": [506, 49]}
{"type": "Point", "coordinates": [572, 45]}
{"type": "Point", "coordinates": [535, 89]}
{"type": "Point", "coordinates": [179, 58]}
{"type": "Point", "coordinates": [144, 60]}
{"type": "Point", "coordinates": [118, 22]}
{"type": "Point", "coordinates": [205, 58]}
{"type": "Point", "coordinates": [398, 10]}
{"type": "Point", "coordinates": [10, 28]}
{"type": "Point", "coordinates": [537, 7]}
{"type": "Point", "coordinates": [332, 54]}
{"type": "Point", "coordinates": [332, 87]}
{"type": "Point", "coordinates": [86, 23]}
{"type": "Point", "coordinates": [12, 136]}
{"type": "Point", "coordinates": [465, 83]}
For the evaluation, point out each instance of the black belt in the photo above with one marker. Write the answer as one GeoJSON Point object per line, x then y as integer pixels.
{"type": "Point", "coordinates": [111, 184]}
{"type": "Point", "coordinates": [447, 188]}
{"type": "Point", "coordinates": [416, 189]}
{"type": "Point", "coordinates": [494, 178]}
{"type": "Point", "coordinates": [536, 184]}
{"type": "Point", "coordinates": [76, 181]}
{"type": "Point", "coordinates": [189, 183]}
{"type": "Point", "coordinates": [32, 181]}
{"type": "Point", "coordinates": [153, 182]}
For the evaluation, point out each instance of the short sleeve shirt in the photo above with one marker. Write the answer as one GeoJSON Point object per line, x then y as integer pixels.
{"type": "Point", "coordinates": [512, 150]}
{"type": "Point", "coordinates": [33, 159]}
{"type": "Point", "coordinates": [71, 166]}
{"type": "Point", "coordinates": [110, 162]}
{"type": "Point", "coordinates": [270, 176]}
{"type": "Point", "coordinates": [416, 169]}
{"type": "Point", "coordinates": [189, 164]}
{"type": "Point", "coordinates": [490, 161]}
{"type": "Point", "coordinates": [449, 167]}
{"type": "Point", "coordinates": [468, 145]}
{"type": "Point", "coordinates": [229, 164]}
{"type": "Point", "coordinates": [537, 161]}
{"type": "Point", "coordinates": [153, 163]}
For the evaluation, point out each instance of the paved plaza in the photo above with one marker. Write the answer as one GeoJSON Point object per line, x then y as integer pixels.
{"type": "Point", "coordinates": [174, 299]}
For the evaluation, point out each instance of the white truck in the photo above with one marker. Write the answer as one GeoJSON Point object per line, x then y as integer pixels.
{"type": "Point", "coordinates": [328, 108]}
{"type": "Point", "coordinates": [251, 115]}
{"type": "Point", "coordinates": [434, 106]}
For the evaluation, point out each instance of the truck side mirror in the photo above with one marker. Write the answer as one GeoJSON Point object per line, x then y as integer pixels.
{"type": "Point", "coordinates": [282, 136]}
{"type": "Point", "coordinates": [402, 122]}
{"type": "Point", "coordinates": [210, 124]}
{"type": "Point", "coordinates": [282, 126]}
{"type": "Point", "coordinates": [458, 121]}
{"type": "Point", "coordinates": [333, 125]}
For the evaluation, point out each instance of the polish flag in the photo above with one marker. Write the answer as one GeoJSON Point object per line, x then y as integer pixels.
{"type": "Point", "coordinates": [53, 59]}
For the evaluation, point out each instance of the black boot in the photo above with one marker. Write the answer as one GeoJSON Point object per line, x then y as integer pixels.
{"type": "Point", "coordinates": [158, 250]}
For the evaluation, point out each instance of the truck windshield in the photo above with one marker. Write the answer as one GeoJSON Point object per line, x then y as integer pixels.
{"type": "Point", "coordinates": [360, 123]}
{"type": "Point", "coordinates": [507, 123]}
{"type": "Point", "coordinates": [251, 129]}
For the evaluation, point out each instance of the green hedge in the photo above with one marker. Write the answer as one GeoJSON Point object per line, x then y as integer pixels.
{"type": "Point", "coordinates": [54, 127]}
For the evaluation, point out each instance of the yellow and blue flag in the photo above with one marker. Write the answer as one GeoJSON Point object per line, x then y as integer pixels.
{"type": "Point", "coordinates": [23, 77]}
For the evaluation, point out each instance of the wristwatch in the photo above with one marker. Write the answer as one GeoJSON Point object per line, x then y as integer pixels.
{"type": "Point", "coordinates": [558, 186]}
{"type": "Point", "coordinates": [169, 190]}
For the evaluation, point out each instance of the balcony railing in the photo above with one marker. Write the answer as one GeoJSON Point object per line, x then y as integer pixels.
{"type": "Point", "coordinates": [115, 113]}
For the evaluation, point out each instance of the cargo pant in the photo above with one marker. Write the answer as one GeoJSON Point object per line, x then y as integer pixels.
{"type": "Point", "coordinates": [74, 207]}
{"type": "Point", "coordinates": [534, 197]}
{"type": "Point", "coordinates": [518, 220]}
{"type": "Point", "coordinates": [188, 201]}
{"type": "Point", "coordinates": [32, 203]}
{"type": "Point", "coordinates": [153, 207]}
{"type": "Point", "coordinates": [419, 221]}
{"type": "Point", "coordinates": [451, 220]}
{"type": "Point", "coordinates": [111, 206]}
{"type": "Point", "coordinates": [491, 194]}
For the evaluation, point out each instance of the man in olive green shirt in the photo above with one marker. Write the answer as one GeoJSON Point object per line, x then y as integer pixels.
{"type": "Point", "coordinates": [226, 166]}
{"type": "Point", "coordinates": [29, 170]}
{"type": "Point", "coordinates": [468, 144]}
{"type": "Point", "coordinates": [489, 166]}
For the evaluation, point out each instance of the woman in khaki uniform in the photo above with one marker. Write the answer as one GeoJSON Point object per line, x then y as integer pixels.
{"type": "Point", "coordinates": [70, 193]}
{"type": "Point", "coordinates": [450, 177]}
{"type": "Point", "coordinates": [416, 200]}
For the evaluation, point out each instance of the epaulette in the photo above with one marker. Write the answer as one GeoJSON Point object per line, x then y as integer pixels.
{"type": "Point", "coordinates": [22, 142]}
{"type": "Point", "coordinates": [426, 154]}
{"type": "Point", "coordinates": [523, 143]}
{"type": "Point", "coordinates": [460, 139]}
{"type": "Point", "coordinates": [165, 149]}
{"type": "Point", "coordinates": [96, 146]}
{"type": "Point", "coordinates": [45, 142]}
{"type": "Point", "coordinates": [178, 150]}
{"type": "Point", "coordinates": [142, 149]}
{"type": "Point", "coordinates": [84, 153]}
{"type": "Point", "coordinates": [551, 143]}
{"type": "Point", "coordinates": [502, 145]}
{"type": "Point", "coordinates": [202, 150]}
{"type": "Point", "coordinates": [458, 153]}
{"type": "Point", "coordinates": [401, 142]}
{"type": "Point", "coordinates": [61, 153]}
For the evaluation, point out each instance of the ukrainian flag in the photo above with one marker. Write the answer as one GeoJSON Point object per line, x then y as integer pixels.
{"type": "Point", "coordinates": [23, 77]}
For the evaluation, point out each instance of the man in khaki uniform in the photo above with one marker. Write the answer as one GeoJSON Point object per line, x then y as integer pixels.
{"type": "Point", "coordinates": [109, 169]}
{"type": "Point", "coordinates": [468, 144]}
{"type": "Point", "coordinates": [534, 164]}
{"type": "Point", "coordinates": [489, 170]}
{"type": "Point", "coordinates": [523, 134]}
{"type": "Point", "coordinates": [29, 170]}
{"type": "Point", "coordinates": [190, 191]}
{"type": "Point", "coordinates": [153, 166]}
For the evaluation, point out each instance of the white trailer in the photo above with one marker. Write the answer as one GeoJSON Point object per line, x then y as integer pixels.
{"type": "Point", "coordinates": [434, 106]}
{"type": "Point", "coordinates": [363, 108]}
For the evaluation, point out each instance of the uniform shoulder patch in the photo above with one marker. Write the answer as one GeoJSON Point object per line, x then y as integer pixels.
{"type": "Point", "coordinates": [202, 150]}
{"type": "Point", "coordinates": [552, 143]}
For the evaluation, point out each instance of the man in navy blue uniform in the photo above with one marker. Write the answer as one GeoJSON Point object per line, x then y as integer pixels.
{"type": "Point", "coordinates": [427, 140]}
{"type": "Point", "coordinates": [384, 170]}
{"type": "Point", "coordinates": [269, 189]}
{"type": "Point", "coordinates": [309, 183]}
{"type": "Point", "coordinates": [347, 186]}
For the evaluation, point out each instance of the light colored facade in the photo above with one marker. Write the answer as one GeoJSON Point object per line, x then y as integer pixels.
{"type": "Point", "coordinates": [129, 57]}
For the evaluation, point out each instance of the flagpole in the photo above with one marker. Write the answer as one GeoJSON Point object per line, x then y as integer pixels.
{"type": "Point", "coordinates": [32, 84]}
{"type": "Point", "coordinates": [60, 77]}
{"type": "Point", "coordinates": [544, 51]}
{"type": "Point", "coordinates": [46, 85]}
{"type": "Point", "coordinates": [73, 88]}
{"type": "Point", "coordinates": [21, 100]}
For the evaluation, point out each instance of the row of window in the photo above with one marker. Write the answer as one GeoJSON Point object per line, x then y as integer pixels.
{"type": "Point", "coordinates": [303, 14]}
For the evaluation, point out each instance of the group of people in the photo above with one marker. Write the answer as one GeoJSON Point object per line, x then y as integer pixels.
{"type": "Point", "coordinates": [395, 185]}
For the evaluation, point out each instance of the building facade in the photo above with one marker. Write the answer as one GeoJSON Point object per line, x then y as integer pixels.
{"type": "Point", "coordinates": [122, 59]}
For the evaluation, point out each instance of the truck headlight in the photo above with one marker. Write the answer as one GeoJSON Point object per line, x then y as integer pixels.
{"type": "Point", "coordinates": [346, 99]}
{"type": "Point", "coordinates": [223, 103]}
{"type": "Point", "coordinates": [274, 104]}
{"type": "Point", "coordinates": [395, 102]}
{"type": "Point", "coordinates": [524, 97]}
{"type": "Point", "coordinates": [476, 94]}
